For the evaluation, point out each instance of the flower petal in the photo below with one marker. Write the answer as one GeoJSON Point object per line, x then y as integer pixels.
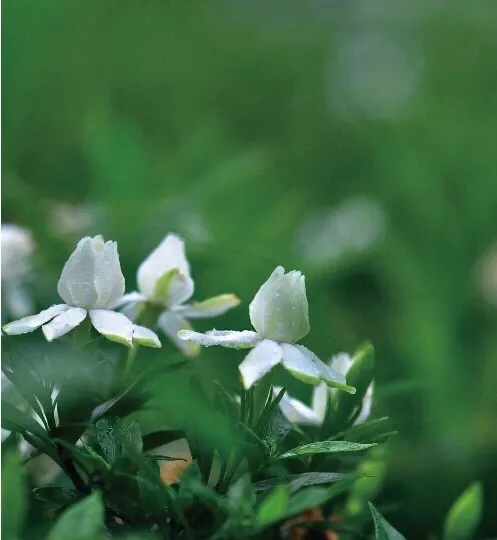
{"type": "Point", "coordinates": [367, 405]}
{"type": "Point", "coordinates": [211, 307]}
{"type": "Point", "coordinates": [112, 325]}
{"type": "Point", "coordinates": [145, 336]}
{"type": "Point", "coordinates": [28, 324]}
{"type": "Point", "coordinates": [63, 323]}
{"type": "Point", "coordinates": [341, 362]}
{"type": "Point", "coordinates": [171, 323]}
{"type": "Point", "coordinates": [109, 279]}
{"type": "Point", "coordinates": [299, 364]}
{"type": "Point", "coordinates": [296, 411]}
{"type": "Point", "coordinates": [321, 400]}
{"type": "Point", "coordinates": [259, 361]}
{"type": "Point", "coordinates": [76, 284]}
{"type": "Point", "coordinates": [132, 297]}
{"type": "Point", "coordinates": [327, 374]}
{"type": "Point", "coordinates": [225, 338]}
{"type": "Point", "coordinates": [169, 254]}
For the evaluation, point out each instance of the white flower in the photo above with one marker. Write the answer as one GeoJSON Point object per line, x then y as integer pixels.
{"type": "Point", "coordinates": [279, 313]}
{"type": "Point", "coordinates": [90, 284]}
{"type": "Point", "coordinates": [300, 413]}
{"type": "Point", "coordinates": [164, 281]}
{"type": "Point", "coordinates": [17, 250]}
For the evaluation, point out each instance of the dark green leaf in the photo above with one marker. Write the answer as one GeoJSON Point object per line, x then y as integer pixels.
{"type": "Point", "coordinates": [57, 496]}
{"type": "Point", "coordinates": [383, 529]}
{"type": "Point", "coordinates": [14, 496]}
{"type": "Point", "coordinates": [82, 521]}
{"type": "Point", "coordinates": [241, 495]}
{"type": "Point", "coordinates": [298, 481]}
{"type": "Point", "coordinates": [16, 420]}
{"type": "Point", "coordinates": [465, 514]}
{"type": "Point", "coordinates": [325, 447]}
{"type": "Point", "coordinates": [116, 438]}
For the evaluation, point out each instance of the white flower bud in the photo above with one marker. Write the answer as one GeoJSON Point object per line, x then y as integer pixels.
{"type": "Point", "coordinates": [92, 276]}
{"type": "Point", "coordinates": [279, 310]}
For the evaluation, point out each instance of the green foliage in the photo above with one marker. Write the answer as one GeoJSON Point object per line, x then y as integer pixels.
{"type": "Point", "coordinates": [383, 529]}
{"type": "Point", "coordinates": [325, 447]}
{"type": "Point", "coordinates": [14, 496]}
{"type": "Point", "coordinates": [464, 515]}
{"type": "Point", "coordinates": [83, 521]}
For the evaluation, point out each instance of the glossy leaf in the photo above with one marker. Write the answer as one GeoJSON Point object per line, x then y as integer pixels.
{"type": "Point", "coordinates": [383, 529]}
{"type": "Point", "coordinates": [274, 507]}
{"type": "Point", "coordinates": [82, 521]}
{"type": "Point", "coordinates": [298, 481]}
{"type": "Point", "coordinates": [325, 447]}
{"type": "Point", "coordinates": [465, 514]}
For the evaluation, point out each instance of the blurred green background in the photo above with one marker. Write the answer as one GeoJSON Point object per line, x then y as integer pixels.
{"type": "Point", "coordinates": [355, 141]}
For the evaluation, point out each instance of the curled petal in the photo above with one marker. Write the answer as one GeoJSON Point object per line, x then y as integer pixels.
{"type": "Point", "coordinates": [226, 338]}
{"type": "Point", "coordinates": [173, 288]}
{"type": "Point", "coordinates": [76, 285]}
{"type": "Point", "coordinates": [367, 405]}
{"type": "Point", "coordinates": [109, 279]}
{"type": "Point", "coordinates": [145, 336]}
{"type": "Point", "coordinates": [63, 323]}
{"type": "Point", "coordinates": [28, 324]}
{"type": "Point", "coordinates": [341, 362]}
{"type": "Point", "coordinates": [298, 412]}
{"type": "Point", "coordinates": [327, 374]}
{"type": "Point", "coordinates": [320, 399]}
{"type": "Point", "coordinates": [300, 364]}
{"type": "Point", "coordinates": [209, 308]}
{"type": "Point", "coordinates": [171, 324]}
{"type": "Point", "coordinates": [169, 254]}
{"type": "Point", "coordinates": [130, 298]}
{"type": "Point", "coordinates": [259, 361]}
{"type": "Point", "coordinates": [279, 310]}
{"type": "Point", "coordinates": [112, 325]}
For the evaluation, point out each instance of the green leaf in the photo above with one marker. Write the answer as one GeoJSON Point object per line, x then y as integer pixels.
{"type": "Point", "coordinates": [57, 496]}
{"type": "Point", "coordinates": [464, 515]}
{"type": "Point", "coordinates": [298, 481]}
{"type": "Point", "coordinates": [325, 447]}
{"type": "Point", "coordinates": [241, 495]}
{"type": "Point", "coordinates": [82, 521]}
{"type": "Point", "coordinates": [16, 420]}
{"type": "Point", "coordinates": [114, 437]}
{"type": "Point", "coordinates": [274, 507]}
{"type": "Point", "coordinates": [13, 496]}
{"type": "Point", "coordinates": [383, 530]}
{"type": "Point", "coordinates": [200, 447]}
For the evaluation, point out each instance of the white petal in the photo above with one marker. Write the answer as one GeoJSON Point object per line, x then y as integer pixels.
{"type": "Point", "coordinates": [76, 284]}
{"type": "Point", "coordinates": [209, 308]}
{"type": "Point", "coordinates": [296, 411]}
{"type": "Point", "coordinates": [28, 324]}
{"type": "Point", "coordinates": [64, 323]}
{"type": "Point", "coordinates": [112, 325]}
{"type": "Point", "coordinates": [132, 297]}
{"type": "Point", "coordinates": [300, 364]}
{"type": "Point", "coordinates": [367, 405]}
{"type": "Point", "coordinates": [341, 362]}
{"type": "Point", "coordinates": [225, 338]}
{"type": "Point", "coordinates": [109, 279]}
{"type": "Point", "coordinates": [145, 336]}
{"type": "Point", "coordinates": [320, 400]}
{"type": "Point", "coordinates": [327, 374]}
{"type": "Point", "coordinates": [171, 323]}
{"type": "Point", "coordinates": [169, 254]}
{"type": "Point", "coordinates": [259, 361]}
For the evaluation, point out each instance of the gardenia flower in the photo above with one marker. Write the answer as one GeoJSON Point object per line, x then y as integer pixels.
{"type": "Point", "coordinates": [90, 284]}
{"type": "Point", "coordinates": [300, 413]}
{"type": "Point", "coordinates": [164, 281]}
{"type": "Point", "coordinates": [280, 315]}
{"type": "Point", "coordinates": [17, 249]}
